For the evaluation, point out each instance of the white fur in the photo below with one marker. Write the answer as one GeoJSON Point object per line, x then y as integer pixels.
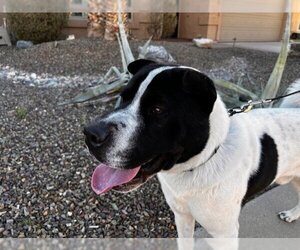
{"type": "Point", "coordinates": [212, 193]}
{"type": "Point", "coordinates": [294, 100]}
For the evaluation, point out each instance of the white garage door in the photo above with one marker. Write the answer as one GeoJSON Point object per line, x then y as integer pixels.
{"type": "Point", "coordinates": [251, 27]}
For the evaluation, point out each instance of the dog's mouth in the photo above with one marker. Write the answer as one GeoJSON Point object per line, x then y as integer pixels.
{"type": "Point", "coordinates": [106, 178]}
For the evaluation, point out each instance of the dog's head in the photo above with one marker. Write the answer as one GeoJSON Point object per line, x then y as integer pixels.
{"type": "Point", "coordinates": [163, 119]}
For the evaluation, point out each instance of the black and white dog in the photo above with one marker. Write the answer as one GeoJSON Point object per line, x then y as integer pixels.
{"type": "Point", "coordinates": [172, 122]}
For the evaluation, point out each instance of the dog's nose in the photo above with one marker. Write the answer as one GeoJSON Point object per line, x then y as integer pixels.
{"type": "Point", "coordinates": [97, 134]}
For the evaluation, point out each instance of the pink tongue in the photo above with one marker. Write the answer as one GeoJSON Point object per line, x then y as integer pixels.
{"type": "Point", "coordinates": [105, 178]}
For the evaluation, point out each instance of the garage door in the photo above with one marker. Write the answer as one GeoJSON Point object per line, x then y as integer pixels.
{"type": "Point", "coordinates": [251, 27]}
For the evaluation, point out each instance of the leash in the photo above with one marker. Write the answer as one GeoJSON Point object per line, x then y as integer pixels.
{"type": "Point", "coordinates": [250, 104]}
{"type": "Point", "coordinates": [244, 109]}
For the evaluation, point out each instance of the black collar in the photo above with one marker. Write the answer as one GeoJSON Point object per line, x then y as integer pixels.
{"type": "Point", "coordinates": [213, 153]}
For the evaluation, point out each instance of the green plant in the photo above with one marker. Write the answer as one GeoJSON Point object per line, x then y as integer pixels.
{"type": "Point", "coordinates": [21, 112]}
{"type": "Point", "coordinates": [83, 119]}
{"type": "Point", "coordinates": [36, 27]}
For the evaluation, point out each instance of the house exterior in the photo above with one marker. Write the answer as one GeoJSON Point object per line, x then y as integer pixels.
{"type": "Point", "coordinates": [222, 27]}
{"type": "Point", "coordinates": [219, 26]}
{"type": "Point", "coordinates": [226, 27]}
{"type": "Point", "coordinates": [245, 21]}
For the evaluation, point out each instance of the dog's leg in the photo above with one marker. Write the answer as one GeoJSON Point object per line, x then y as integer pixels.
{"type": "Point", "coordinates": [219, 218]}
{"type": "Point", "coordinates": [185, 224]}
{"type": "Point", "coordinates": [294, 213]}
{"type": "Point", "coordinates": [223, 228]}
{"type": "Point", "coordinates": [223, 243]}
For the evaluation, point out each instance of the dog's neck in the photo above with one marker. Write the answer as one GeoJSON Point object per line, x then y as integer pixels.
{"type": "Point", "coordinates": [219, 122]}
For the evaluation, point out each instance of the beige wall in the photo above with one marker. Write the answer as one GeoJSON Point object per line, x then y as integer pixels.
{"type": "Point", "coordinates": [139, 24]}
{"type": "Point", "coordinates": [251, 27]}
{"type": "Point", "coordinates": [227, 26]}
{"type": "Point", "coordinates": [77, 27]}
{"type": "Point", "coordinates": [193, 25]}
{"type": "Point", "coordinates": [296, 22]}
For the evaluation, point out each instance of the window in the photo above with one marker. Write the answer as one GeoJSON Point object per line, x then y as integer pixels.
{"type": "Point", "coordinates": [79, 14]}
{"type": "Point", "coordinates": [129, 7]}
{"type": "Point", "coordinates": [77, 7]}
{"type": "Point", "coordinates": [130, 16]}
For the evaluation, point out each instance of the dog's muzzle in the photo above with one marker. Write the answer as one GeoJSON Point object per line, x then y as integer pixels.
{"type": "Point", "coordinates": [97, 134]}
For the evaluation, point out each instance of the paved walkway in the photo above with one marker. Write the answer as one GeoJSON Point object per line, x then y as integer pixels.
{"type": "Point", "coordinates": [259, 217]}
{"type": "Point", "coordinates": [263, 46]}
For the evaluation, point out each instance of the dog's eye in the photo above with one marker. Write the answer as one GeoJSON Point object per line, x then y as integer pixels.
{"type": "Point", "coordinates": [157, 110]}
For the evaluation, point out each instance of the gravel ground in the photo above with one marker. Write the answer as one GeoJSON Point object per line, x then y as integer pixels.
{"type": "Point", "coordinates": [45, 168]}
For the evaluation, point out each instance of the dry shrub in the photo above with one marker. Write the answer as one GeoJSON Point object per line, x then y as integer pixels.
{"type": "Point", "coordinates": [169, 25]}
{"type": "Point", "coordinates": [36, 27]}
{"type": "Point", "coordinates": [155, 26]}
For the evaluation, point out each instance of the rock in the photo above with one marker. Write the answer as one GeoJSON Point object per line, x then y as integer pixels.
{"type": "Point", "coordinates": [21, 44]}
{"type": "Point", "coordinates": [9, 224]}
{"type": "Point", "coordinates": [203, 42]}
{"type": "Point", "coordinates": [5, 233]}
{"type": "Point", "coordinates": [61, 235]}
{"type": "Point", "coordinates": [21, 235]}
{"type": "Point", "coordinates": [115, 207]}
{"type": "Point", "coordinates": [70, 37]}
{"type": "Point", "coordinates": [157, 54]}
{"type": "Point", "coordinates": [33, 75]}
{"type": "Point", "coordinates": [50, 187]}
{"type": "Point", "coordinates": [26, 213]}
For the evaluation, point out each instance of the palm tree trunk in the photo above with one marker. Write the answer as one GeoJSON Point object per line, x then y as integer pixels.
{"type": "Point", "coordinates": [96, 24]}
{"type": "Point", "coordinates": [112, 27]}
{"type": "Point", "coordinates": [104, 22]}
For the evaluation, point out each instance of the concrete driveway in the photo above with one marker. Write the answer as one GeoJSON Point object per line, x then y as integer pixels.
{"type": "Point", "coordinates": [259, 218]}
{"type": "Point", "coordinates": [262, 46]}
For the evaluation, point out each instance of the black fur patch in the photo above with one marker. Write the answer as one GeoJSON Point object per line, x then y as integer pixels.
{"type": "Point", "coordinates": [267, 170]}
{"type": "Point", "coordinates": [130, 90]}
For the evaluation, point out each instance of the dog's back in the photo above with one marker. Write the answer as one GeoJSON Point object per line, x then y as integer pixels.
{"type": "Point", "coordinates": [281, 124]}
{"type": "Point", "coordinates": [292, 101]}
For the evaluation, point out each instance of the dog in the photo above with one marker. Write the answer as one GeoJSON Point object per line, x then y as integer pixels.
{"type": "Point", "coordinates": [172, 123]}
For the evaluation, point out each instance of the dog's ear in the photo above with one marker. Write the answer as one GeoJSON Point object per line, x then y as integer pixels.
{"type": "Point", "coordinates": [137, 65]}
{"type": "Point", "coordinates": [201, 88]}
